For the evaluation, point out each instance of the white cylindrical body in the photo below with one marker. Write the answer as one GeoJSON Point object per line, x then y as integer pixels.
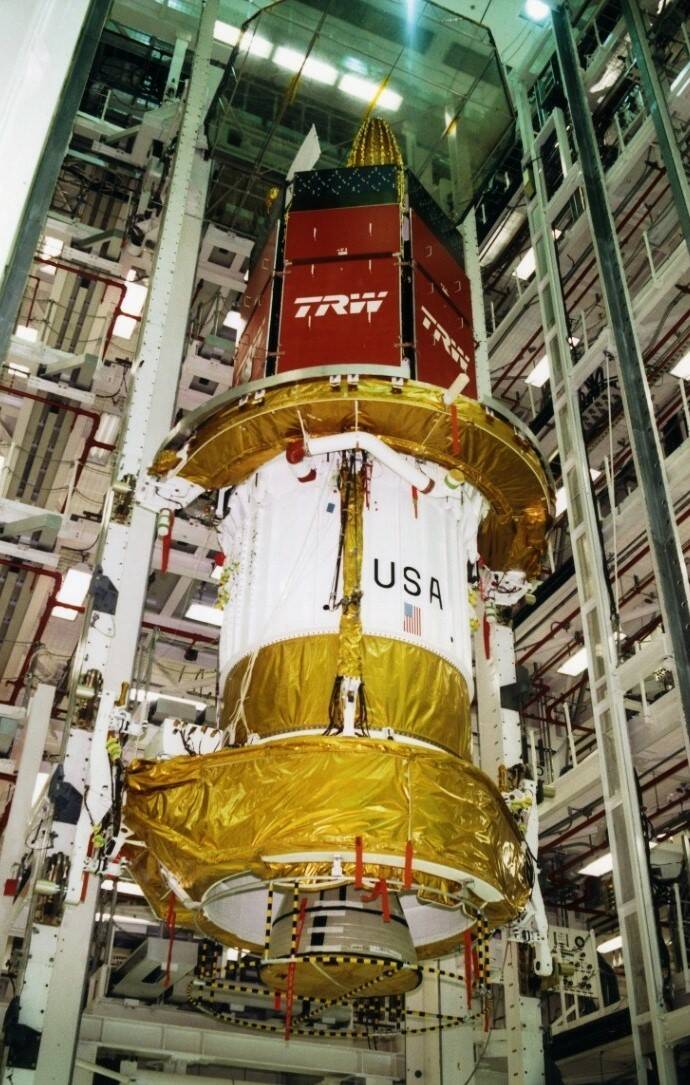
{"type": "Point", "coordinates": [282, 538]}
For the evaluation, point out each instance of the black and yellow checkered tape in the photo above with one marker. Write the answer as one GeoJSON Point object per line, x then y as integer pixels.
{"type": "Point", "coordinates": [269, 918]}
{"type": "Point", "coordinates": [305, 1024]}
{"type": "Point", "coordinates": [313, 1029]}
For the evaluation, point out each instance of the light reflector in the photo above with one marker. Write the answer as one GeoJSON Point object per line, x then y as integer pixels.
{"type": "Point", "coordinates": [366, 91]}
{"type": "Point", "coordinates": [311, 68]}
{"type": "Point", "coordinates": [73, 591]}
{"type": "Point", "coordinates": [200, 612]}
{"type": "Point", "coordinates": [124, 326]}
{"type": "Point", "coordinates": [575, 665]}
{"type": "Point", "coordinates": [526, 266]}
{"type": "Point", "coordinates": [540, 374]}
{"type": "Point", "coordinates": [598, 867]}
{"type": "Point", "coordinates": [233, 320]}
{"type": "Point", "coordinates": [229, 35]}
{"type": "Point", "coordinates": [682, 368]}
{"type": "Point", "coordinates": [23, 332]}
{"type": "Point", "coordinates": [611, 944]}
{"type": "Point", "coordinates": [536, 10]}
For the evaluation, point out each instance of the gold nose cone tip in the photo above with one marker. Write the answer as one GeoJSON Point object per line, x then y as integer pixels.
{"type": "Point", "coordinates": [375, 145]}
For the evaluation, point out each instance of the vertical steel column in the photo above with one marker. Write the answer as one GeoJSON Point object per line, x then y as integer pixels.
{"type": "Point", "coordinates": [52, 991]}
{"type": "Point", "coordinates": [655, 100]}
{"type": "Point", "coordinates": [47, 51]}
{"type": "Point", "coordinates": [33, 742]}
{"type": "Point", "coordinates": [623, 818]}
{"type": "Point", "coordinates": [442, 1056]}
{"type": "Point", "coordinates": [500, 745]}
{"type": "Point", "coordinates": [669, 563]}
{"type": "Point", "coordinates": [473, 270]}
{"type": "Point", "coordinates": [461, 181]}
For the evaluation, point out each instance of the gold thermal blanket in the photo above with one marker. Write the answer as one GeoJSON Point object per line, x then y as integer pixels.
{"type": "Point", "coordinates": [228, 446]}
{"type": "Point", "coordinates": [409, 689]}
{"type": "Point", "coordinates": [207, 818]}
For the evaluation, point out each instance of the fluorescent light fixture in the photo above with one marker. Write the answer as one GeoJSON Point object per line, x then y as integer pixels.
{"type": "Point", "coordinates": [609, 77]}
{"type": "Point", "coordinates": [234, 320]}
{"type": "Point", "coordinates": [132, 920]}
{"type": "Point", "coordinates": [255, 45]}
{"type": "Point", "coordinates": [611, 944]}
{"type": "Point", "coordinates": [536, 10]}
{"type": "Point", "coordinates": [311, 68]}
{"type": "Point", "coordinates": [366, 91]}
{"type": "Point", "coordinates": [64, 612]}
{"type": "Point", "coordinates": [540, 374]}
{"type": "Point", "coordinates": [682, 80]}
{"type": "Point", "coordinates": [23, 332]}
{"type": "Point", "coordinates": [200, 612]}
{"type": "Point", "coordinates": [51, 247]}
{"type": "Point", "coordinates": [74, 587]}
{"type": "Point", "coordinates": [575, 665]}
{"type": "Point", "coordinates": [73, 591]}
{"type": "Point", "coordinates": [131, 889]}
{"type": "Point", "coordinates": [598, 867]}
{"type": "Point", "coordinates": [526, 266]}
{"type": "Point", "coordinates": [250, 42]}
{"type": "Point", "coordinates": [682, 368]}
{"type": "Point", "coordinates": [41, 778]}
{"type": "Point", "coordinates": [124, 327]}
{"type": "Point", "coordinates": [135, 296]}
{"type": "Point", "coordinates": [20, 370]}
{"type": "Point", "coordinates": [154, 694]}
{"type": "Point", "coordinates": [603, 865]}
{"type": "Point", "coordinates": [107, 428]}
{"type": "Point", "coordinates": [229, 35]}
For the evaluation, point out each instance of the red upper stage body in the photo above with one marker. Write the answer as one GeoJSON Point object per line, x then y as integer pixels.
{"type": "Point", "coordinates": [348, 277]}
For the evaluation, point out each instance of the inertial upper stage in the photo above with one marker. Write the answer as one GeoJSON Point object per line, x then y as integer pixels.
{"type": "Point", "coordinates": [366, 500]}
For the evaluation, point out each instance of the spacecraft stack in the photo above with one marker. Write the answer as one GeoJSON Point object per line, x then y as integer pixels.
{"type": "Point", "coordinates": [368, 502]}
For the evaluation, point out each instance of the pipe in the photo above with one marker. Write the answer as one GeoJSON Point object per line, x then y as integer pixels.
{"type": "Point", "coordinates": [563, 622]}
{"type": "Point", "coordinates": [52, 600]}
{"type": "Point", "coordinates": [87, 273]}
{"type": "Point", "coordinates": [43, 621]}
{"type": "Point", "coordinates": [93, 416]}
{"type": "Point", "coordinates": [342, 442]}
{"type": "Point", "coordinates": [593, 818]}
{"type": "Point", "coordinates": [571, 287]}
{"type": "Point", "coordinates": [162, 1077]}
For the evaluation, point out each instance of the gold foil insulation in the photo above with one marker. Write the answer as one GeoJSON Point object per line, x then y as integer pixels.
{"type": "Point", "coordinates": [255, 808]}
{"type": "Point", "coordinates": [410, 690]}
{"type": "Point", "coordinates": [293, 807]}
{"type": "Point", "coordinates": [352, 507]}
{"type": "Point", "coordinates": [466, 437]}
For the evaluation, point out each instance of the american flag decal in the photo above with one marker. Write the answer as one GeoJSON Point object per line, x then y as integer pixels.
{"type": "Point", "coordinates": [412, 619]}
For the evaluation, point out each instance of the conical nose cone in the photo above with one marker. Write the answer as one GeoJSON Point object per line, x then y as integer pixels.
{"type": "Point", "coordinates": [375, 145]}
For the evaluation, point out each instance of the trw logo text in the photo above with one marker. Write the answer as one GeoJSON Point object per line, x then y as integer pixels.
{"type": "Point", "coordinates": [440, 334]}
{"type": "Point", "coordinates": [340, 304]}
